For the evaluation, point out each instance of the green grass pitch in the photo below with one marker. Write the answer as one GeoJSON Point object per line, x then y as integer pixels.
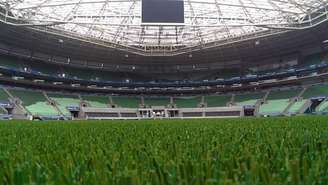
{"type": "Point", "coordinates": [170, 152]}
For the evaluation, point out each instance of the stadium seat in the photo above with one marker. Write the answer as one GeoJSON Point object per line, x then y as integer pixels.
{"type": "Point", "coordinates": [34, 102]}
{"type": "Point", "coordinates": [97, 101]}
{"type": "Point", "coordinates": [157, 101]}
{"type": "Point", "coordinates": [316, 91]}
{"type": "Point", "coordinates": [248, 98]}
{"type": "Point", "coordinates": [274, 107]}
{"type": "Point", "coordinates": [278, 101]}
{"type": "Point", "coordinates": [217, 101]}
{"type": "Point", "coordinates": [64, 101]}
{"type": "Point", "coordinates": [3, 95]}
{"type": "Point", "coordinates": [126, 102]}
{"type": "Point", "coordinates": [296, 107]}
{"type": "Point", "coordinates": [283, 94]}
{"type": "Point", "coordinates": [48, 69]}
{"type": "Point", "coordinates": [322, 107]}
{"type": "Point", "coordinates": [10, 62]}
{"type": "Point", "coordinates": [187, 102]}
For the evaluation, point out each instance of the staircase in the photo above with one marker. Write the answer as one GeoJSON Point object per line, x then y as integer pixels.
{"type": "Point", "coordinates": [300, 95]}
{"type": "Point", "coordinates": [291, 103]}
{"type": "Point", "coordinates": [17, 104]}
{"type": "Point", "coordinates": [53, 103]}
{"type": "Point", "coordinates": [305, 107]}
{"type": "Point", "coordinates": [232, 100]}
{"type": "Point", "coordinates": [257, 107]}
{"type": "Point", "coordinates": [264, 100]}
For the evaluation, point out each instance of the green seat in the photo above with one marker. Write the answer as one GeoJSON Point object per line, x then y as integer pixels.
{"type": "Point", "coordinates": [64, 101]}
{"type": "Point", "coordinates": [10, 62]}
{"type": "Point", "coordinates": [97, 101]}
{"type": "Point", "coordinates": [3, 96]}
{"type": "Point", "coordinates": [217, 101]}
{"type": "Point", "coordinates": [284, 94]}
{"type": "Point", "coordinates": [295, 108]}
{"type": "Point", "coordinates": [45, 68]}
{"type": "Point", "coordinates": [274, 106]}
{"type": "Point", "coordinates": [247, 102]}
{"type": "Point", "coordinates": [187, 102]}
{"type": "Point", "coordinates": [34, 102]}
{"type": "Point", "coordinates": [248, 99]}
{"type": "Point", "coordinates": [322, 107]}
{"type": "Point", "coordinates": [126, 101]}
{"type": "Point", "coordinates": [43, 109]}
{"type": "Point", "coordinates": [157, 101]}
{"type": "Point", "coordinates": [315, 91]}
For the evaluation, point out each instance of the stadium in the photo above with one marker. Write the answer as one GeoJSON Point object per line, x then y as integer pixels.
{"type": "Point", "coordinates": [134, 82]}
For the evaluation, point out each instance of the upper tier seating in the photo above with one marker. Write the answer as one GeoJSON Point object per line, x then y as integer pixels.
{"type": "Point", "coordinates": [316, 91]}
{"type": "Point", "coordinates": [8, 62]}
{"type": "Point", "coordinates": [312, 59]}
{"type": "Point", "coordinates": [97, 101]}
{"type": "Point", "coordinates": [217, 101]}
{"type": "Point", "coordinates": [187, 102]}
{"type": "Point", "coordinates": [34, 102]}
{"type": "Point", "coordinates": [157, 101]}
{"type": "Point", "coordinates": [127, 101]}
{"type": "Point", "coordinates": [248, 98]}
{"type": "Point", "coordinates": [48, 69]}
{"type": "Point", "coordinates": [64, 101]}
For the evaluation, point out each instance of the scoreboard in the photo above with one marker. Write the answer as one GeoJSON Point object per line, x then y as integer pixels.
{"type": "Point", "coordinates": [162, 11]}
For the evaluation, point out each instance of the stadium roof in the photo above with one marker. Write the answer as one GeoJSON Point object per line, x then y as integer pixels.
{"type": "Point", "coordinates": [206, 21]}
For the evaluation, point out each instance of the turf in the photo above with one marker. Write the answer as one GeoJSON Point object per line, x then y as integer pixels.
{"type": "Point", "coordinates": [214, 151]}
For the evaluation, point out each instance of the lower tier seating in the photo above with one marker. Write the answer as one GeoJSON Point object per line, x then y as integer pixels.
{"type": "Point", "coordinates": [248, 98]}
{"type": "Point", "coordinates": [35, 102]}
{"type": "Point", "coordinates": [128, 102]}
{"type": "Point", "coordinates": [296, 107]}
{"type": "Point", "coordinates": [283, 94]}
{"type": "Point", "coordinates": [277, 103]}
{"type": "Point", "coordinates": [274, 107]}
{"type": "Point", "coordinates": [322, 107]}
{"type": "Point", "coordinates": [64, 101]}
{"type": "Point", "coordinates": [217, 101]}
{"type": "Point", "coordinates": [97, 101]}
{"type": "Point", "coordinates": [156, 101]}
{"type": "Point", "coordinates": [187, 102]}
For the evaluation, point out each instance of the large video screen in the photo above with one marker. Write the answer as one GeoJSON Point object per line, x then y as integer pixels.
{"type": "Point", "coordinates": [162, 11]}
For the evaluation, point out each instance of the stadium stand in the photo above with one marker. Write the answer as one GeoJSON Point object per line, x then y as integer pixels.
{"type": "Point", "coordinates": [3, 96]}
{"type": "Point", "coordinates": [99, 101]}
{"type": "Point", "coordinates": [323, 107]}
{"type": "Point", "coordinates": [296, 106]}
{"type": "Point", "coordinates": [274, 107]}
{"type": "Point", "coordinates": [248, 98]}
{"type": "Point", "coordinates": [9, 62]}
{"type": "Point", "coordinates": [156, 101]}
{"type": "Point", "coordinates": [217, 101]}
{"type": "Point", "coordinates": [44, 68]}
{"type": "Point", "coordinates": [278, 101]}
{"type": "Point", "coordinates": [127, 102]}
{"type": "Point", "coordinates": [187, 102]}
{"type": "Point", "coordinates": [34, 102]}
{"type": "Point", "coordinates": [63, 101]}
{"type": "Point", "coordinates": [316, 91]}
